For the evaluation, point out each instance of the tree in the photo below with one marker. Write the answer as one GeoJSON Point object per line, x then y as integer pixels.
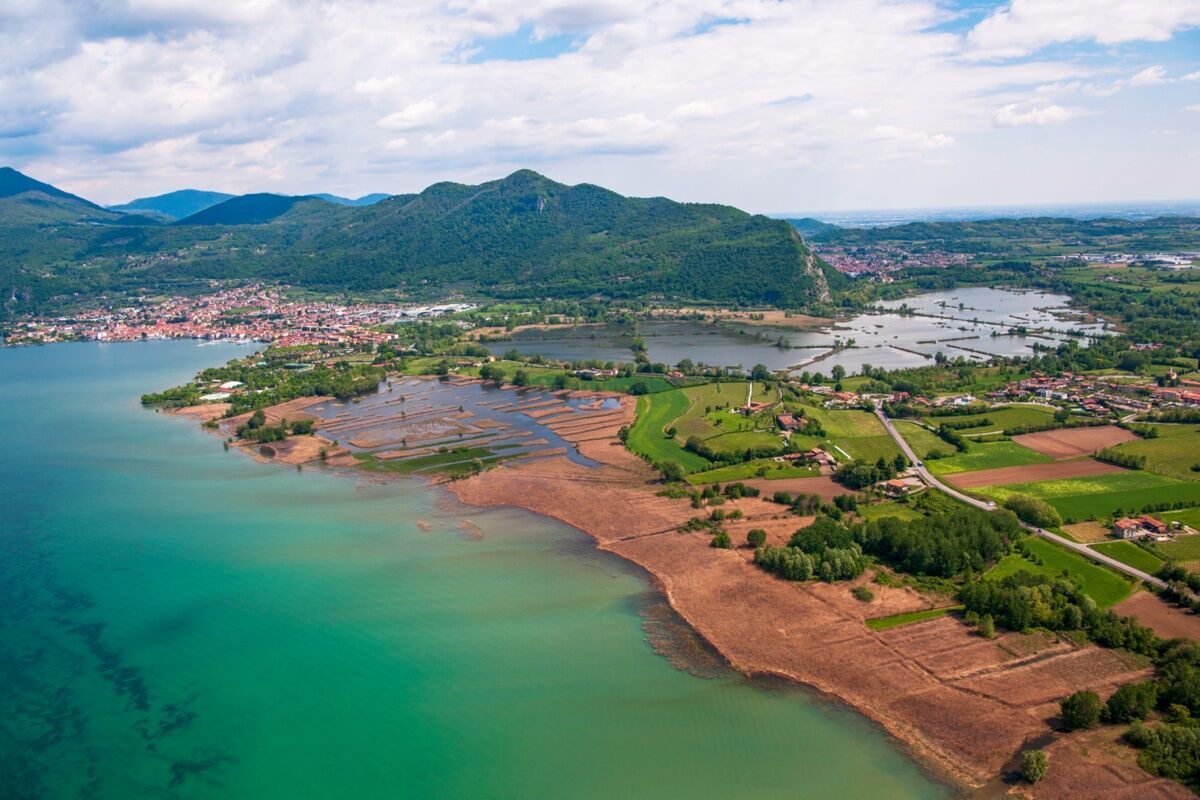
{"type": "Point", "coordinates": [757, 537]}
{"type": "Point", "coordinates": [721, 541]}
{"type": "Point", "coordinates": [1080, 710]}
{"type": "Point", "coordinates": [1033, 510]}
{"type": "Point", "coordinates": [671, 471]}
{"type": "Point", "coordinates": [760, 373]}
{"type": "Point", "coordinates": [1033, 765]}
{"type": "Point", "coordinates": [257, 419]}
{"type": "Point", "coordinates": [1131, 701]}
{"type": "Point", "coordinates": [638, 388]}
{"type": "Point", "coordinates": [838, 372]}
{"type": "Point", "coordinates": [521, 378]}
{"type": "Point", "coordinates": [987, 626]}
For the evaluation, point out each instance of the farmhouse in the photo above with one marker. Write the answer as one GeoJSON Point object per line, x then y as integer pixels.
{"type": "Point", "coordinates": [789, 422]}
{"type": "Point", "coordinates": [1139, 528]}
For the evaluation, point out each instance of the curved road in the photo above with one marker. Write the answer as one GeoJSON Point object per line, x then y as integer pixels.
{"type": "Point", "coordinates": [1083, 550]}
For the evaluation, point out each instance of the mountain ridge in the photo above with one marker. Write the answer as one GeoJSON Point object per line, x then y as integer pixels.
{"type": "Point", "coordinates": [521, 236]}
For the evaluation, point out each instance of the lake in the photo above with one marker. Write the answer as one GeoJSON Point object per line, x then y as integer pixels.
{"type": "Point", "coordinates": [974, 323]}
{"type": "Point", "coordinates": [184, 622]}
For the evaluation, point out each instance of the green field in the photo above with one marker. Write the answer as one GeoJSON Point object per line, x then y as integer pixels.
{"type": "Point", "coordinates": [1174, 452]}
{"type": "Point", "coordinates": [452, 462]}
{"type": "Point", "coordinates": [859, 433]}
{"type": "Point", "coordinates": [879, 510]}
{"type": "Point", "coordinates": [920, 439]}
{"type": "Point", "coordinates": [750, 469]}
{"type": "Point", "coordinates": [1101, 584]}
{"type": "Point", "coordinates": [647, 436]}
{"type": "Point", "coordinates": [1186, 516]}
{"type": "Point", "coordinates": [989, 455]}
{"type": "Point", "coordinates": [1100, 495]}
{"type": "Point", "coordinates": [1129, 553]}
{"type": "Point", "coordinates": [896, 620]}
{"type": "Point", "coordinates": [1000, 418]}
{"type": "Point", "coordinates": [1185, 548]}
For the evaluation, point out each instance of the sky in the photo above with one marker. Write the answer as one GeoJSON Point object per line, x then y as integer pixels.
{"type": "Point", "coordinates": [769, 105]}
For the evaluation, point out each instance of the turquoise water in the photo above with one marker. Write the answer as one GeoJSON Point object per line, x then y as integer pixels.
{"type": "Point", "coordinates": [178, 621]}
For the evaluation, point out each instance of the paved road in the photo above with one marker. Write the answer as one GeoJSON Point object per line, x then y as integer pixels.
{"type": "Point", "coordinates": [931, 480]}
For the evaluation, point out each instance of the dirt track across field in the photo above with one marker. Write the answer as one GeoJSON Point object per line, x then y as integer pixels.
{"type": "Point", "coordinates": [1030, 472]}
{"type": "Point", "coordinates": [1074, 442]}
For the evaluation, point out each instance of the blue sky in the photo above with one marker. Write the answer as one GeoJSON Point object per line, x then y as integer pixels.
{"type": "Point", "coordinates": [771, 105]}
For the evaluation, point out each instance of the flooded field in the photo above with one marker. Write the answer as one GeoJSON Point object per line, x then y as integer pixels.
{"type": "Point", "coordinates": [429, 423]}
{"type": "Point", "coordinates": [976, 323]}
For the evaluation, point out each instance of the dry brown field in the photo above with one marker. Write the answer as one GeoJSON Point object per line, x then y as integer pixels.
{"type": "Point", "coordinates": [1074, 442]}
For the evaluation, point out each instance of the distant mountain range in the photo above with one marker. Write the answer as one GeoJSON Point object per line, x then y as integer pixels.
{"type": "Point", "coordinates": [185, 203]}
{"type": "Point", "coordinates": [524, 236]}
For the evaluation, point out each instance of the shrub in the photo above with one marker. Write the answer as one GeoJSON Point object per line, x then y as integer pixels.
{"type": "Point", "coordinates": [756, 537]}
{"type": "Point", "coordinates": [721, 540]}
{"type": "Point", "coordinates": [671, 471]}
{"type": "Point", "coordinates": [863, 593]}
{"type": "Point", "coordinates": [1033, 765]}
{"type": "Point", "coordinates": [1080, 710]}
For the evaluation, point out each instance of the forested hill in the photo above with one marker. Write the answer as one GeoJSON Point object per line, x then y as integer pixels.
{"type": "Point", "coordinates": [527, 234]}
{"type": "Point", "coordinates": [522, 236]}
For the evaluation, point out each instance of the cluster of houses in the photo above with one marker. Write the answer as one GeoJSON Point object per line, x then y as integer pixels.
{"type": "Point", "coordinates": [1098, 395]}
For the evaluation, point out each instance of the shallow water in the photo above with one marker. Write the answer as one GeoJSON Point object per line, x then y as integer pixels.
{"type": "Point", "coordinates": [179, 621]}
{"type": "Point", "coordinates": [970, 322]}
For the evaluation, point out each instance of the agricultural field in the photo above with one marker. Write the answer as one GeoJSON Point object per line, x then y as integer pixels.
{"type": "Point", "coordinates": [1000, 418]}
{"type": "Point", "coordinates": [1101, 584]}
{"type": "Point", "coordinates": [1100, 495]}
{"type": "Point", "coordinates": [1174, 452]}
{"type": "Point", "coordinates": [921, 440]}
{"type": "Point", "coordinates": [647, 436]}
{"type": "Point", "coordinates": [771, 470]}
{"type": "Point", "coordinates": [981, 456]}
{"type": "Point", "coordinates": [880, 510]}
{"type": "Point", "coordinates": [858, 434]}
{"type": "Point", "coordinates": [1184, 548]}
{"type": "Point", "coordinates": [1186, 516]}
{"type": "Point", "coordinates": [704, 411]}
{"type": "Point", "coordinates": [1129, 553]}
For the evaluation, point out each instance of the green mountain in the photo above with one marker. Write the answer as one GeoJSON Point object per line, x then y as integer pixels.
{"type": "Point", "coordinates": [174, 205]}
{"type": "Point", "coordinates": [524, 236]}
{"type": "Point", "coordinates": [251, 209]}
{"type": "Point", "coordinates": [13, 184]}
{"type": "Point", "coordinates": [528, 234]}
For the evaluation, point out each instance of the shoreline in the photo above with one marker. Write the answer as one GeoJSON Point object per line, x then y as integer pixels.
{"type": "Point", "coordinates": [960, 706]}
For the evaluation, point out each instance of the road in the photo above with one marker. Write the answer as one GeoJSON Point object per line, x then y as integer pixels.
{"type": "Point", "coordinates": [931, 480]}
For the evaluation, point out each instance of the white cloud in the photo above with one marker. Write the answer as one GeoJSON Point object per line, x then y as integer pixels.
{"type": "Point", "coordinates": [1191, 76]}
{"type": "Point", "coordinates": [1193, 108]}
{"type": "Point", "coordinates": [1149, 76]}
{"type": "Point", "coordinates": [135, 97]}
{"type": "Point", "coordinates": [1019, 114]}
{"type": "Point", "coordinates": [416, 115]}
{"type": "Point", "coordinates": [1025, 26]}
